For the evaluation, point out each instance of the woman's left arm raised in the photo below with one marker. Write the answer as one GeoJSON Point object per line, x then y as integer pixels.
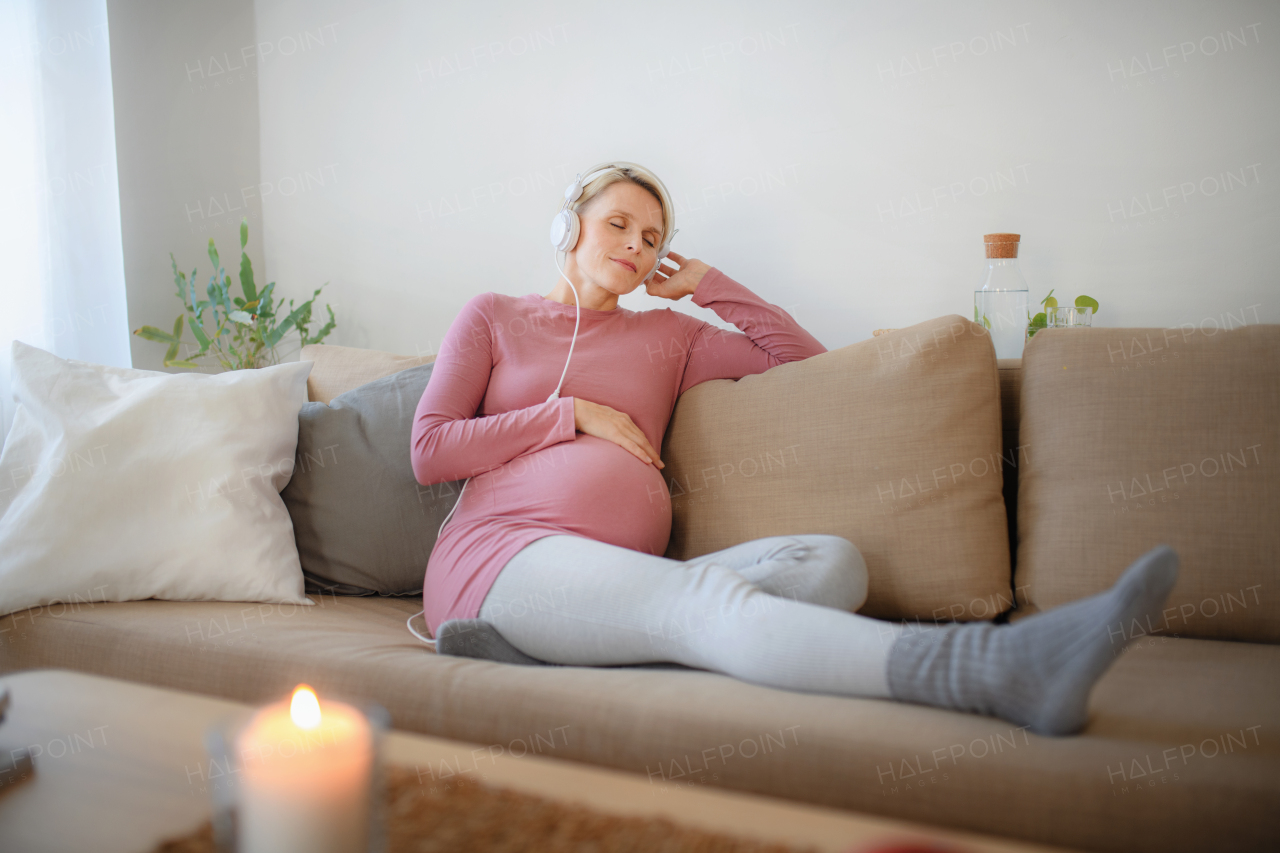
{"type": "Point", "coordinates": [769, 336]}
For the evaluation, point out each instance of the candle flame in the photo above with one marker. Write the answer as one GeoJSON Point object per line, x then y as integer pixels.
{"type": "Point", "coordinates": [305, 708]}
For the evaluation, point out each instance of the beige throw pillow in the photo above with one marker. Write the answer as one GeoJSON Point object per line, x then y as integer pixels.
{"type": "Point", "coordinates": [1136, 437]}
{"type": "Point", "coordinates": [893, 443]}
{"type": "Point", "coordinates": [339, 369]}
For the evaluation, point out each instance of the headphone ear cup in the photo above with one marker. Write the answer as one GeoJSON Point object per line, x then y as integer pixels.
{"type": "Point", "coordinates": [575, 230]}
{"type": "Point", "coordinates": [565, 229]}
{"type": "Point", "coordinates": [663, 251]}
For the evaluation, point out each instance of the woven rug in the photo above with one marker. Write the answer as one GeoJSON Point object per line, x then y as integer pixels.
{"type": "Point", "coordinates": [468, 815]}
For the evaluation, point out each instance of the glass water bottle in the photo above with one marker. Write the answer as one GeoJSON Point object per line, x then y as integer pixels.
{"type": "Point", "coordinates": [1000, 304]}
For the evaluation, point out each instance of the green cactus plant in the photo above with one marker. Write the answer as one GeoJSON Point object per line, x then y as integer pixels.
{"type": "Point", "coordinates": [245, 332]}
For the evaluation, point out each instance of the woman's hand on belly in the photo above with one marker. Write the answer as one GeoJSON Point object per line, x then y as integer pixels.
{"type": "Point", "coordinates": [612, 425]}
{"type": "Point", "coordinates": [589, 487]}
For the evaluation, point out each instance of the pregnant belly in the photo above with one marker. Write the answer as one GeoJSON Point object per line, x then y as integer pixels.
{"type": "Point", "coordinates": [589, 486]}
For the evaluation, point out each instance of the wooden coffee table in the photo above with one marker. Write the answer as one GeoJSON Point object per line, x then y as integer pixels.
{"type": "Point", "coordinates": [119, 768]}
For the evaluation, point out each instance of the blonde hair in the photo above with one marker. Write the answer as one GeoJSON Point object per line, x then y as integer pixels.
{"type": "Point", "coordinates": [622, 171]}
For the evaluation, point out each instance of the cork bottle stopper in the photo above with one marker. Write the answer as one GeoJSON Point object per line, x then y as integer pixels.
{"type": "Point", "coordinates": [1001, 245]}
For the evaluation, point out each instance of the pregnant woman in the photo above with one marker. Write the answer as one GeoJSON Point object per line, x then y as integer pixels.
{"type": "Point", "coordinates": [555, 554]}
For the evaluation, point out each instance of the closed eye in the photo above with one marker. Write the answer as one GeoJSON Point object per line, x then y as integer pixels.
{"type": "Point", "coordinates": [619, 227]}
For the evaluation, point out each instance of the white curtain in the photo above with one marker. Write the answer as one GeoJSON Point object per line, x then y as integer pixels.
{"type": "Point", "coordinates": [61, 260]}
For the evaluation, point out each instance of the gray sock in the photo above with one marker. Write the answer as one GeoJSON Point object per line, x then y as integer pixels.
{"type": "Point", "coordinates": [1039, 671]}
{"type": "Point", "coordinates": [476, 638]}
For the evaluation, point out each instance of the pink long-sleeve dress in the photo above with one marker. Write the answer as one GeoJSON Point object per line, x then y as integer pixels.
{"type": "Point", "coordinates": [485, 415]}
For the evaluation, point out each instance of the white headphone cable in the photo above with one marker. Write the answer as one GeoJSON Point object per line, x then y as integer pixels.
{"type": "Point", "coordinates": [409, 623]}
{"type": "Point", "coordinates": [577, 314]}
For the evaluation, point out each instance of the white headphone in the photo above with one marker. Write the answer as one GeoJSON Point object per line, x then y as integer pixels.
{"type": "Point", "coordinates": [567, 227]}
{"type": "Point", "coordinates": [565, 230]}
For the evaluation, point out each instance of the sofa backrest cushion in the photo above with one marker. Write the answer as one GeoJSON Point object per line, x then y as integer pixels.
{"type": "Point", "coordinates": [339, 369]}
{"type": "Point", "coordinates": [893, 443]}
{"type": "Point", "coordinates": [1136, 437]}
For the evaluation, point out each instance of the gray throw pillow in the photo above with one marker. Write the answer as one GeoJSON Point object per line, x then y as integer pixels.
{"type": "Point", "coordinates": [362, 523]}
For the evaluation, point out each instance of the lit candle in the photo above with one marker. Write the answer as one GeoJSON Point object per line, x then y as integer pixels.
{"type": "Point", "coordinates": [305, 775]}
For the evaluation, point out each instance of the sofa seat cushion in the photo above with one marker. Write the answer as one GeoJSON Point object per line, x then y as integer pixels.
{"type": "Point", "coordinates": [1180, 753]}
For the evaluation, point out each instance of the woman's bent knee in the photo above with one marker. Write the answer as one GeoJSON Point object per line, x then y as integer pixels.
{"type": "Point", "coordinates": [845, 579]}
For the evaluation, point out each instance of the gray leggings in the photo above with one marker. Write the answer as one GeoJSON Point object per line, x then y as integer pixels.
{"type": "Point", "coordinates": [775, 611]}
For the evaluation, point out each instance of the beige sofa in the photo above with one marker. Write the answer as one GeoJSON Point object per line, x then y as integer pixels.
{"type": "Point", "coordinates": [879, 441]}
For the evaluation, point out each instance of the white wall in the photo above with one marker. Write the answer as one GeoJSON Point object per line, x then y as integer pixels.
{"type": "Point", "coordinates": [842, 159]}
{"type": "Point", "coordinates": [186, 116]}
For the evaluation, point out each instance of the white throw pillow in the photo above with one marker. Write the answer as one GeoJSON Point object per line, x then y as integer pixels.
{"type": "Point", "coordinates": [119, 484]}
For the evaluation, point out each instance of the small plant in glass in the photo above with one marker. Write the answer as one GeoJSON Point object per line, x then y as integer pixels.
{"type": "Point", "coordinates": [1062, 316]}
